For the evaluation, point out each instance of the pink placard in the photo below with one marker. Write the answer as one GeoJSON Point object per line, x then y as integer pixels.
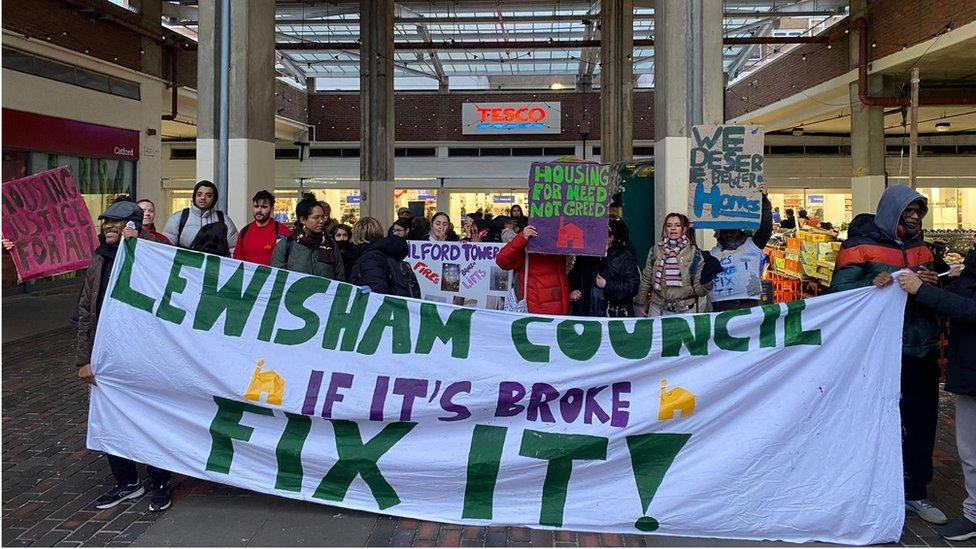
{"type": "Point", "coordinates": [46, 218]}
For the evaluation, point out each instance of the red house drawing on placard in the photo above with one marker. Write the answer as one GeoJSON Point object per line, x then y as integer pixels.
{"type": "Point", "coordinates": [570, 235]}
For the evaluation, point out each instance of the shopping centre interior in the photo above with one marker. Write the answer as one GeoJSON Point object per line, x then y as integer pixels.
{"type": "Point", "coordinates": [380, 105]}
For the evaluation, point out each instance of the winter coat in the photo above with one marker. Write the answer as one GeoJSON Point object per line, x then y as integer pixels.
{"type": "Point", "coordinates": [618, 268]}
{"type": "Point", "coordinates": [194, 222]}
{"type": "Point", "coordinates": [691, 262]}
{"type": "Point", "coordinates": [873, 247]}
{"type": "Point", "coordinates": [381, 267]}
{"type": "Point", "coordinates": [89, 303]}
{"type": "Point", "coordinates": [295, 256]}
{"type": "Point", "coordinates": [958, 302]}
{"type": "Point", "coordinates": [547, 290]}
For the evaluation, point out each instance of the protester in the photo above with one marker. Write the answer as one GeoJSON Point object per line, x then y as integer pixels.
{"type": "Point", "coordinates": [496, 226]}
{"type": "Point", "coordinates": [439, 225]}
{"type": "Point", "coordinates": [382, 268]}
{"type": "Point", "coordinates": [342, 235]}
{"type": "Point", "coordinates": [606, 286]}
{"type": "Point", "coordinates": [212, 239]}
{"type": "Point", "coordinates": [777, 218]}
{"type": "Point", "coordinates": [790, 221]}
{"type": "Point", "coordinates": [366, 231]}
{"type": "Point", "coordinates": [420, 228]}
{"type": "Point", "coordinates": [676, 276]}
{"type": "Point", "coordinates": [309, 249]}
{"type": "Point", "coordinates": [878, 245]}
{"type": "Point", "coordinates": [742, 260]}
{"type": "Point", "coordinates": [182, 226]}
{"type": "Point", "coordinates": [958, 302]}
{"type": "Point", "coordinates": [474, 227]}
{"type": "Point", "coordinates": [515, 212]}
{"type": "Point", "coordinates": [540, 278]}
{"type": "Point", "coordinates": [149, 221]}
{"type": "Point", "coordinates": [256, 241]}
{"type": "Point", "coordinates": [114, 220]}
{"type": "Point", "coordinates": [401, 227]}
{"type": "Point", "coordinates": [404, 213]}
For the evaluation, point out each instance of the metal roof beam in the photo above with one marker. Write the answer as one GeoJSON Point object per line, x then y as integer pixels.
{"type": "Point", "coordinates": [543, 45]}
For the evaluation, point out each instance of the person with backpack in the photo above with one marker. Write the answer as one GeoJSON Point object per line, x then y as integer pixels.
{"type": "Point", "coordinates": [257, 239]}
{"type": "Point", "coordinates": [382, 268]}
{"type": "Point", "coordinates": [309, 249]}
{"type": "Point", "coordinates": [677, 274]}
{"type": "Point", "coordinates": [182, 226]}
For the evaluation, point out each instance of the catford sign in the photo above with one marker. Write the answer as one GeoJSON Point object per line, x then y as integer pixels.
{"type": "Point", "coordinates": [510, 118]}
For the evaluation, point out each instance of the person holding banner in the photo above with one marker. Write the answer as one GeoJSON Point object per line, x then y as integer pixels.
{"type": "Point", "coordinates": [114, 221]}
{"type": "Point", "coordinates": [878, 245]}
{"type": "Point", "coordinates": [541, 278]}
{"type": "Point", "coordinates": [310, 249]}
{"type": "Point", "coordinates": [958, 302]}
{"type": "Point", "coordinates": [675, 278]}
{"type": "Point", "coordinates": [182, 226]}
{"type": "Point", "coordinates": [739, 286]}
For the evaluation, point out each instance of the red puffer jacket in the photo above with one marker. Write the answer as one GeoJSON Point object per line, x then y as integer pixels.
{"type": "Point", "coordinates": [548, 286]}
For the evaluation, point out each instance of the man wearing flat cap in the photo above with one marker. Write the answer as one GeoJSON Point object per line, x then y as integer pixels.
{"type": "Point", "coordinates": [114, 229]}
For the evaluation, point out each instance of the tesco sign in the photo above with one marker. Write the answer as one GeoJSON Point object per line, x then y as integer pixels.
{"type": "Point", "coordinates": [510, 118]}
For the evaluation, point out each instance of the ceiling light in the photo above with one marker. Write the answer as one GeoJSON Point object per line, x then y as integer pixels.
{"type": "Point", "coordinates": [555, 86]}
{"type": "Point", "coordinates": [942, 126]}
{"type": "Point", "coordinates": [798, 131]}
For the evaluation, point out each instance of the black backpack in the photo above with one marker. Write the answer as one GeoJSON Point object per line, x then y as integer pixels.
{"type": "Point", "coordinates": [398, 275]}
{"type": "Point", "coordinates": [185, 215]}
{"type": "Point", "coordinates": [402, 280]}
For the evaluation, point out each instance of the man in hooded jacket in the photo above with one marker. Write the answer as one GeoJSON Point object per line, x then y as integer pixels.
{"type": "Point", "coordinates": [878, 245]}
{"type": "Point", "coordinates": [182, 226]}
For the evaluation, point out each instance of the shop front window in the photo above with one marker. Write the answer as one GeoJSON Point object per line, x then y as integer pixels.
{"type": "Point", "coordinates": [832, 205]}
{"type": "Point", "coordinates": [420, 201]}
{"type": "Point", "coordinates": [100, 180]}
{"type": "Point", "coordinates": [495, 202]}
{"type": "Point", "coordinates": [950, 207]}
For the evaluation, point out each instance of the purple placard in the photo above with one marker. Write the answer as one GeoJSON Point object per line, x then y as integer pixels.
{"type": "Point", "coordinates": [568, 204]}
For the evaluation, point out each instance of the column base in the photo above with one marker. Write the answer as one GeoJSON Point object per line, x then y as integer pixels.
{"type": "Point", "coordinates": [866, 191]}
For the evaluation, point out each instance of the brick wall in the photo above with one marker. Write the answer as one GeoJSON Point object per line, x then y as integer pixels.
{"type": "Point", "coordinates": [437, 116]}
{"type": "Point", "coordinates": [67, 27]}
{"type": "Point", "coordinates": [291, 102]}
{"type": "Point", "coordinates": [893, 25]}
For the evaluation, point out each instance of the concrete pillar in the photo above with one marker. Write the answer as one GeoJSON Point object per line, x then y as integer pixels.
{"type": "Point", "coordinates": [376, 140]}
{"type": "Point", "coordinates": [149, 167]}
{"type": "Point", "coordinates": [617, 80]}
{"type": "Point", "coordinates": [867, 134]}
{"type": "Point", "coordinates": [252, 84]}
{"type": "Point", "coordinates": [151, 12]}
{"type": "Point", "coordinates": [688, 67]}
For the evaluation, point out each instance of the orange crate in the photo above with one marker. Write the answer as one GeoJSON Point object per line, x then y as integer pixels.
{"type": "Point", "coordinates": [794, 244]}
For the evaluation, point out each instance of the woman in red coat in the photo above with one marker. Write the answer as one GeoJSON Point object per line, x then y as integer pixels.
{"type": "Point", "coordinates": [547, 290]}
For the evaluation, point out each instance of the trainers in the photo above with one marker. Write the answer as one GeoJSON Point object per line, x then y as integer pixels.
{"type": "Point", "coordinates": [160, 500]}
{"type": "Point", "coordinates": [926, 511]}
{"type": "Point", "coordinates": [120, 493]}
{"type": "Point", "coordinates": [960, 529]}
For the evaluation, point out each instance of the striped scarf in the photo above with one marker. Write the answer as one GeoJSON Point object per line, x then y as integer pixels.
{"type": "Point", "coordinates": [669, 270]}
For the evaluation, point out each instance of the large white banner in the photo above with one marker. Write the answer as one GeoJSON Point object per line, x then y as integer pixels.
{"type": "Point", "coordinates": [779, 422]}
{"type": "Point", "coordinates": [460, 273]}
